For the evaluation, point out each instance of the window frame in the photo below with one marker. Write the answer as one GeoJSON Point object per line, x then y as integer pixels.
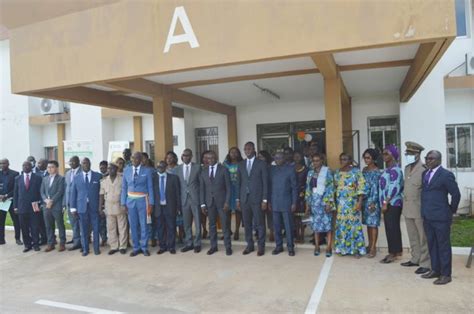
{"type": "Point", "coordinates": [456, 126]}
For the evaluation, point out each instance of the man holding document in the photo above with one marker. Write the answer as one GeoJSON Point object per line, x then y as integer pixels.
{"type": "Point", "coordinates": [26, 199]}
{"type": "Point", "coordinates": [7, 184]}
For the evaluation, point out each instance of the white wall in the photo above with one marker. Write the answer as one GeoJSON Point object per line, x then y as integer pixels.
{"type": "Point", "coordinates": [86, 124]}
{"type": "Point", "coordinates": [49, 135]}
{"type": "Point", "coordinates": [374, 105]}
{"type": "Point", "coordinates": [14, 131]}
{"type": "Point", "coordinates": [107, 135]}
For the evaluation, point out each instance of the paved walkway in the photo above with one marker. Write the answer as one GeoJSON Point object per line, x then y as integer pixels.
{"type": "Point", "coordinates": [189, 282]}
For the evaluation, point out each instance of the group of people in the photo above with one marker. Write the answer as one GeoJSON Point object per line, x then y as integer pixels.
{"type": "Point", "coordinates": [283, 193]}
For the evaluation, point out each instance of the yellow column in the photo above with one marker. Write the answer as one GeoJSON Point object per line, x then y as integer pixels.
{"type": "Point", "coordinates": [348, 143]}
{"type": "Point", "coordinates": [162, 124]}
{"type": "Point", "coordinates": [61, 131]}
{"type": "Point", "coordinates": [232, 129]}
{"type": "Point", "coordinates": [137, 134]}
{"type": "Point", "coordinates": [333, 107]}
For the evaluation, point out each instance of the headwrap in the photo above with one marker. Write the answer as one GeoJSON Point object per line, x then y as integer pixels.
{"type": "Point", "coordinates": [393, 151]}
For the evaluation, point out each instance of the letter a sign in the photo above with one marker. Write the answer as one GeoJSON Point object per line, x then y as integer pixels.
{"type": "Point", "coordinates": [188, 36]}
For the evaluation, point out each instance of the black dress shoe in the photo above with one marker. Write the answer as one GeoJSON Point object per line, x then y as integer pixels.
{"type": "Point", "coordinates": [85, 253]}
{"type": "Point", "coordinates": [261, 252]}
{"type": "Point", "coordinates": [187, 248]}
{"type": "Point", "coordinates": [421, 270]}
{"type": "Point", "coordinates": [70, 242]}
{"type": "Point", "coordinates": [36, 249]}
{"type": "Point", "coordinates": [277, 251]}
{"type": "Point", "coordinates": [18, 241]}
{"type": "Point", "coordinates": [247, 251]}
{"type": "Point", "coordinates": [432, 274]}
{"type": "Point", "coordinates": [291, 252]}
{"type": "Point", "coordinates": [2, 242]}
{"type": "Point", "coordinates": [409, 264]}
{"type": "Point", "coordinates": [123, 251]}
{"type": "Point", "coordinates": [134, 253]}
{"type": "Point", "coordinates": [172, 251]}
{"type": "Point", "coordinates": [197, 249]}
{"type": "Point", "coordinates": [75, 247]}
{"type": "Point", "coordinates": [161, 251]}
{"type": "Point", "coordinates": [146, 253]}
{"type": "Point", "coordinates": [27, 249]}
{"type": "Point", "coordinates": [112, 252]}
{"type": "Point", "coordinates": [442, 280]}
{"type": "Point", "coordinates": [211, 251]}
{"type": "Point", "coordinates": [228, 252]}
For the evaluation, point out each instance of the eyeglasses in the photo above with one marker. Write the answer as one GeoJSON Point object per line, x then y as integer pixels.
{"type": "Point", "coordinates": [430, 158]}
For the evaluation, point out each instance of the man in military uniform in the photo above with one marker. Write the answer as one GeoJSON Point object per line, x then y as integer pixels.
{"type": "Point", "coordinates": [412, 209]}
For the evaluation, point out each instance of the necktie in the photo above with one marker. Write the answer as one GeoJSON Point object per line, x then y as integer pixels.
{"type": "Point", "coordinates": [27, 182]}
{"type": "Point", "coordinates": [211, 176]}
{"type": "Point", "coordinates": [87, 178]}
{"type": "Point", "coordinates": [249, 166]}
{"type": "Point", "coordinates": [186, 174]}
{"type": "Point", "coordinates": [427, 176]}
{"type": "Point", "coordinates": [51, 181]}
{"type": "Point", "coordinates": [135, 175]}
{"type": "Point", "coordinates": [162, 189]}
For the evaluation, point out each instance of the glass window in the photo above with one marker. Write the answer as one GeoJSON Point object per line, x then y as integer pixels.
{"type": "Point", "coordinates": [206, 139]}
{"type": "Point", "coordinates": [383, 131]}
{"type": "Point", "coordinates": [459, 143]}
{"type": "Point", "coordinates": [51, 153]}
{"type": "Point", "coordinates": [461, 17]}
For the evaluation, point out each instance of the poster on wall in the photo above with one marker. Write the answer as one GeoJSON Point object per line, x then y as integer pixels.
{"type": "Point", "coordinates": [116, 149]}
{"type": "Point", "coordinates": [77, 148]}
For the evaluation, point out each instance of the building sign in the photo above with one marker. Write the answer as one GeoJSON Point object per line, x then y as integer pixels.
{"type": "Point", "coordinates": [188, 36]}
{"type": "Point", "coordinates": [116, 150]}
{"type": "Point", "coordinates": [80, 149]}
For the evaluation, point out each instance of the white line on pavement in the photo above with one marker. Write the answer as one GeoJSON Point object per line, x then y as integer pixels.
{"type": "Point", "coordinates": [313, 303]}
{"type": "Point", "coordinates": [75, 307]}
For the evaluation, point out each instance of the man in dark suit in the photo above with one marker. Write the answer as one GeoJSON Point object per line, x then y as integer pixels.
{"type": "Point", "coordinates": [283, 199]}
{"type": "Point", "coordinates": [215, 198]}
{"type": "Point", "coordinates": [7, 185]}
{"type": "Point", "coordinates": [167, 205]}
{"type": "Point", "coordinates": [52, 193]}
{"type": "Point", "coordinates": [26, 200]}
{"type": "Point", "coordinates": [253, 176]}
{"type": "Point", "coordinates": [74, 163]}
{"type": "Point", "coordinates": [85, 203]}
{"type": "Point", "coordinates": [188, 173]}
{"type": "Point", "coordinates": [437, 215]}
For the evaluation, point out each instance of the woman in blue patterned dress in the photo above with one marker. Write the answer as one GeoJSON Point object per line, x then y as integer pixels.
{"type": "Point", "coordinates": [320, 201]}
{"type": "Point", "coordinates": [371, 205]}
{"type": "Point", "coordinates": [391, 201]}
{"type": "Point", "coordinates": [234, 157]}
{"type": "Point", "coordinates": [350, 190]}
{"type": "Point", "coordinates": [172, 164]}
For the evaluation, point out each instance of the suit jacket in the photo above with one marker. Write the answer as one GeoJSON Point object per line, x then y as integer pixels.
{"type": "Point", "coordinates": [81, 192]}
{"type": "Point", "coordinates": [253, 186]}
{"type": "Point", "coordinates": [215, 192]}
{"type": "Point", "coordinates": [172, 193]}
{"type": "Point", "coordinates": [142, 184]}
{"type": "Point", "coordinates": [55, 192]}
{"type": "Point", "coordinates": [190, 190]}
{"type": "Point", "coordinates": [10, 183]}
{"type": "Point", "coordinates": [284, 190]}
{"type": "Point", "coordinates": [412, 190]}
{"type": "Point", "coordinates": [434, 196]}
{"type": "Point", "coordinates": [68, 181]}
{"type": "Point", "coordinates": [23, 198]}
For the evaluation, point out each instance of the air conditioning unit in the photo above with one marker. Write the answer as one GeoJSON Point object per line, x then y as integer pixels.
{"type": "Point", "coordinates": [51, 106]}
{"type": "Point", "coordinates": [470, 63]}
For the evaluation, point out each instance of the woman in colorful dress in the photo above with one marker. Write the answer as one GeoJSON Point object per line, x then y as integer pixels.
{"type": "Point", "coordinates": [301, 176]}
{"type": "Point", "coordinates": [234, 157]}
{"type": "Point", "coordinates": [320, 201]}
{"type": "Point", "coordinates": [391, 201]}
{"type": "Point", "coordinates": [171, 166]}
{"type": "Point", "coordinates": [350, 190]}
{"type": "Point", "coordinates": [371, 204]}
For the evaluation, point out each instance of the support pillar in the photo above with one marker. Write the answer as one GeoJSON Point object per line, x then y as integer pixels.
{"type": "Point", "coordinates": [61, 131]}
{"type": "Point", "coordinates": [334, 129]}
{"type": "Point", "coordinates": [137, 134]}
{"type": "Point", "coordinates": [162, 124]}
{"type": "Point", "coordinates": [232, 129]}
